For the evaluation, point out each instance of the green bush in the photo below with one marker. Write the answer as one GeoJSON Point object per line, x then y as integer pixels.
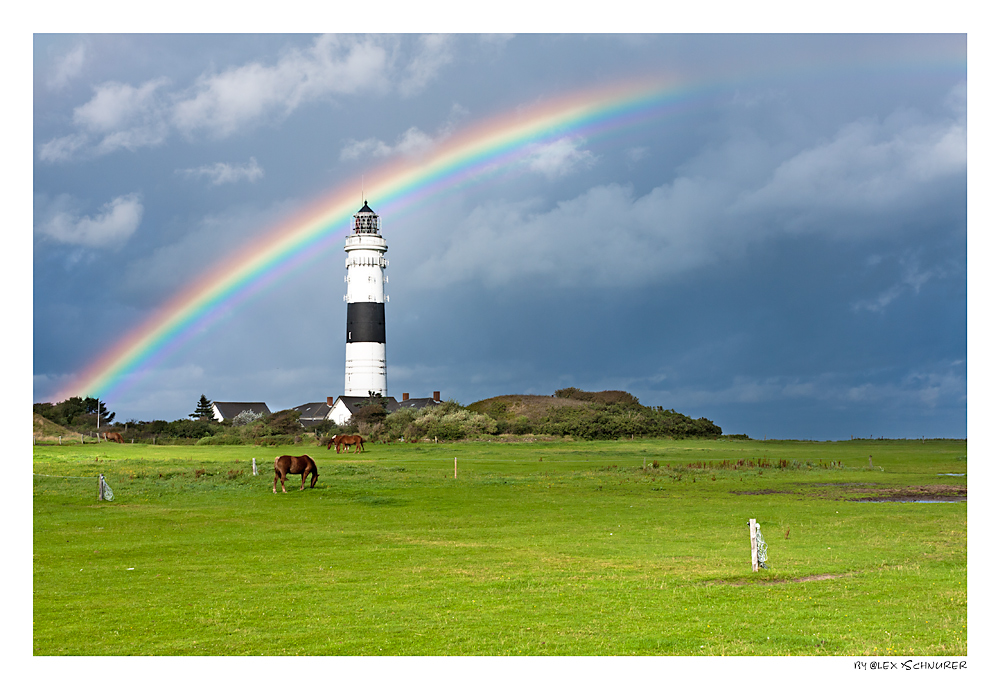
{"type": "Point", "coordinates": [446, 421]}
{"type": "Point", "coordinates": [222, 439]}
{"type": "Point", "coordinates": [605, 415]}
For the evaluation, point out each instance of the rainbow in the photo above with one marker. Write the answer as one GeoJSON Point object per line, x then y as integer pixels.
{"type": "Point", "coordinates": [480, 150]}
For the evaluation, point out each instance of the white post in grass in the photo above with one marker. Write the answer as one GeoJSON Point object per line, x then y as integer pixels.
{"type": "Point", "coordinates": [100, 487]}
{"type": "Point", "coordinates": [753, 544]}
{"type": "Point", "coordinates": [456, 467]}
{"type": "Point", "coordinates": [254, 466]}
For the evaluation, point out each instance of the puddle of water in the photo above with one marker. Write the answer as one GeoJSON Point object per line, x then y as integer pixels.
{"type": "Point", "coordinates": [951, 474]}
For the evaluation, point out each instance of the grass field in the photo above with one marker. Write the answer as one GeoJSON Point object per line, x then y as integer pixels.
{"type": "Point", "coordinates": [563, 548]}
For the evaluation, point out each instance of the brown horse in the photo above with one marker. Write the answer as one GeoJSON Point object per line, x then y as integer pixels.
{"type": "Point", "coordinates": [114, 437]}
{"type": "Point", "coordinates": [330, 441]}
{"type": "Point", "coordinates": [286, 464]}
{"type": "Point", "coordinates": [356, 440]}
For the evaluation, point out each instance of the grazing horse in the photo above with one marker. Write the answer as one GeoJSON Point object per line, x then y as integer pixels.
{"type": "Point", "coordinates": [286, 464]}
{"type": "Point", "coordinates": [113, 436]}
{"type": "Point", "coordinates": [356, 440]}
{"type": "Point", "coordinates": [330, 442]}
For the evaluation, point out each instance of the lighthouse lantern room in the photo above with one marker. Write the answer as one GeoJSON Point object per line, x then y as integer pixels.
{"type": "Point", "coordinates": [365, 370]}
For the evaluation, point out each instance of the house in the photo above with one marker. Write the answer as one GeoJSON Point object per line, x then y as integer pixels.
{"type": "Point", "coordinates": [343, 408]}
{"type": "Point", "coordinates": [419, 402]}
{"type": "Point", "coordinates": [312, 413]}
{"type": "Point", "coordinates": [227, 411]}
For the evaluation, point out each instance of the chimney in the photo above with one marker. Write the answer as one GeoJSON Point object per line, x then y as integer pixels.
{"type": "Point", "coordinates": [329, 401]}
{"type": "Point", "coordinates": [406, 396]}
{"type": "Point", "coordinates": [437, 395]}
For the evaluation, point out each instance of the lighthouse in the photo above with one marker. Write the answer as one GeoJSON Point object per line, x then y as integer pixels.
{"type": "Point", "coordinates": [365, 369]}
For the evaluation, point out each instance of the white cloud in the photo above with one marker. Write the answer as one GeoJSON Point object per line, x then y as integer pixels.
{"type": "Point", "coordinates": [67, 67]}
{"type": "Point", "coordinates": [870, 165]}
{"type": "Point", "coordinates": [118, 116]}
{"type": "Point", "coordinates": [63, 148]}
{"type": "Point", "coordinates": [116, 105]}
{"type": "Point", "coordinates": [434, 53]}
{"type": "Point", "coordinates": [222, 103]}
{"type": "Point", "coordinates": [913, 278]}
{"type": "Point", "coordinates": [560, 158]}
{"type": "Point", "coordinates": [333, 65]}
{"type": "Point", "coordinates": [411, 142]}
{"type": "Point", "coordinates": [116, 222]}
{"type": "Point", "coordinates": [226, 173]}
{"type": "Point", "coordinates": [637, 153]}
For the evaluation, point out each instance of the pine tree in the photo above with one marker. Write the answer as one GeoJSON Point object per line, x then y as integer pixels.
{"type": "Point", "coordinates": [203, 410]}
{"type": "Point", "coordinates": [92, 405]}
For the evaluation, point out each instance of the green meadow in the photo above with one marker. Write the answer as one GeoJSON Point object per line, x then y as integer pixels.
{"type": "Point", "coordinates": [536, 548]}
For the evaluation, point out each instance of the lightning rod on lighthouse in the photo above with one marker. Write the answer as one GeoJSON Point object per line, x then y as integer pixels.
{"type": "Point", "coordinates": [365, 369]}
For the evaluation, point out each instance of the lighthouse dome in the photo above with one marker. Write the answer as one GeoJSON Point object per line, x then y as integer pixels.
{"type": "Point", "coordinates": [366, 221]}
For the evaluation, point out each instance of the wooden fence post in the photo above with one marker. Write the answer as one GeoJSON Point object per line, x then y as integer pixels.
{"type": "Point", "coordinates": [254, 466]}
{"type": "Point", "coordinates": [753, 544]}
{"type": "Point", "coordinates": [100, 487]}
{"type": "Point", "coordinates": [456, 467]}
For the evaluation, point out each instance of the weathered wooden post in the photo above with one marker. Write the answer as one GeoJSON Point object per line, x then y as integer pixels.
{"type": "Point", "coordinates": [753, 544]}
{"type": "Point", "coordinates": [456, 467]}
{"type": "Point", "coordinates": [100, 487]}
{"type": "Point", "coordinates": [254, 466]}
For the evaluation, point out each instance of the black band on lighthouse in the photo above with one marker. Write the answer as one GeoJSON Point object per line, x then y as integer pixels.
{"type": "Point", "coordinates": [365, 322]}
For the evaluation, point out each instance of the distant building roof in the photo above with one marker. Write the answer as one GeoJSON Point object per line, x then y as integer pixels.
{"type": "Point", "coordinates": [354, 403]}
{"type": "Point", "coordinates": [312, 413]}
{"type": "Point", "coordinates": [225, 411]}
{"type": "Point", "coordinates": [418, 403]}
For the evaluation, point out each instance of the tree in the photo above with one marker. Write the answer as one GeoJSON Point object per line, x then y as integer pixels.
{"type": "Point", "coordinates": [95, 406]}
{"type": "Point", "coordinates": [247, 417]}
{"type": "Point", "coordinates": [203, 410]}
{"type": "Point", "coordinates": [371, 411]}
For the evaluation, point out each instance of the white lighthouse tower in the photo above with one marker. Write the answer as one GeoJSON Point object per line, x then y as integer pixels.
{"type": "Point", "coordinates": [365, 370]}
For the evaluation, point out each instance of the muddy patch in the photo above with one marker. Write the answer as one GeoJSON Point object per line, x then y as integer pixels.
{"type": "Point", "coordinates": [771, 582]}
{"type": "Point", "coordinates": [765, 491]}
{"type": "Point", "coordinates": [915, 494]}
